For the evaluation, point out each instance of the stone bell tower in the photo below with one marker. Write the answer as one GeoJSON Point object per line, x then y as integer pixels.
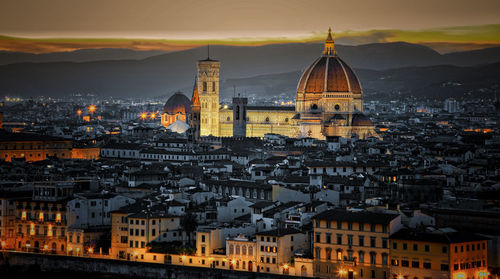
{"type": "Point", "coordinates": [208, 89]}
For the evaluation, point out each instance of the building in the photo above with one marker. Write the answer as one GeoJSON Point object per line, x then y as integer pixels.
{"type": "Point", "coordinates": [450, 105]}
{"type": "Point", "coordinates": [177, 107]}
{"type": "Point", "coordinates": [438, 253]}
{"type": "Point", "coordinates": [276, 249]}
{"type": "Point", "coordinates": [329, 103]}
{"type": "Point", "coordinates": [354, 243]}
{"type": "Point", "coordinates": [33, 147]}
{"type": "Point", "coordinates": [41, 221]}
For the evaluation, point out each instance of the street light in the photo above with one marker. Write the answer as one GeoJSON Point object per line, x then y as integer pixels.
{"type": "Point", "coordinates": [144, 115]}
{"type": "Point", "coordinates": [79, 113]}
{"type": "Point", "coordinates": [92, 109]}
{"type": "Point", "coordinates": [153, 115]}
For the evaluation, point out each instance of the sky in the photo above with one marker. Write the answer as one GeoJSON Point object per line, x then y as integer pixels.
{"type": "Point", "coordinates": [235, 19]}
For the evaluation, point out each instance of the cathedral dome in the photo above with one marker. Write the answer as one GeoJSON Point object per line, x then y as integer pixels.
{"type": "Point", "coordinates": [177, 103]}
{"type": "Point", "coordinates": [359, 119]}
{"type": "Point", "coordinates": [329, 73]}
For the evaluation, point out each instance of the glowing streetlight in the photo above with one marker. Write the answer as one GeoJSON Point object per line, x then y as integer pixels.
{"type": "Point", "coordinates": [92, 109]}
{"type": "Point", "coordinates": [152, 115]}
{"type": "Point", "coordinates": [3, 244]}
{"type": "Point", "coordinates": [91, 250]}
{"type": "Point", "coordinates": [285, 266]}
{"type": "Point", "coordinates": [79, 112]}
{"type": "Point", "coordinates": [233, 261]}
{"type": "Point", "coordinates": [144, 115]}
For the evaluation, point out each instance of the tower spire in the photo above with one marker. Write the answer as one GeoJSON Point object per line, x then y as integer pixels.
{"type": "Point", "coordinates": [329, 44]}
{"type": "Point", "coordinates": [195, 99]}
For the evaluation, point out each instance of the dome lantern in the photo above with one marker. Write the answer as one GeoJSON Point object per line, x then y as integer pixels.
{"type": "Point", "coordinates": [329, 45]}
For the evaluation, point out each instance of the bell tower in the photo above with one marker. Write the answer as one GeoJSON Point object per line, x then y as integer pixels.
{"type": "Point", "coordinates": [208, 89]}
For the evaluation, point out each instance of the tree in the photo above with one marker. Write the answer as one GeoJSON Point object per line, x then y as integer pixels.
{"type": "Point", "coordinates": [189, 225]}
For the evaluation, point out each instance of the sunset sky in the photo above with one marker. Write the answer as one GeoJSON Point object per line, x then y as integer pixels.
{"type": "Point", "coordinates": [189, 21]}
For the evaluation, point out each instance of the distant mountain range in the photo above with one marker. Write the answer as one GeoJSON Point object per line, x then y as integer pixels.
{"type": "Point", "coordinates": [82, 55]}
{"type": "Point", "coordinates": [436, 82]}
{"type": "Point", "coordinates": [382, 67]}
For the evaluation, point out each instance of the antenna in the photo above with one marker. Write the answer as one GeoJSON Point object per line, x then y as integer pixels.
{"type": "Point", "coordinates": [208, 51]}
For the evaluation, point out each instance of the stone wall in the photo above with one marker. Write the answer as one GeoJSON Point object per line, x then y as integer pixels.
{"type": "Point", "coordinates": [123, 268]}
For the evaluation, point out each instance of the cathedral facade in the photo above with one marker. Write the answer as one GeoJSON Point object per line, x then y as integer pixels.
{"type": "Point", "coordinates": [329, 102]}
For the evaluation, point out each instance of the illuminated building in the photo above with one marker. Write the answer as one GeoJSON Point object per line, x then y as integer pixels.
{"type": "Point", "coordinates": [329, 102]}
{"type": "Point", "coordinates": [177, 107]}
{"type": "Point", "coordinates": [276, 247]}
{"type": "Point", "coordinates": [353, 244]}
{"type": "Point", "coordinates": [33, 147]}
{"type": "Point", "coordinates": [41, 222]}
{"type": "Point", "coordinates": [438, 254]}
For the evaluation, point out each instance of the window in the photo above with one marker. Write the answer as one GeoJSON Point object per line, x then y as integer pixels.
{"type": "Point", "coordinates": [405, 263]}
{"type": "Point", "coordinates": [372, 227]}
{"type": "Point", "coordinates": [384, 242]}
{"type": "Point", "coordinates": [328, 238]}
{"type": "Point", "coordinates": [384, 259]}
{"type": "Point", "coordinates": [444, 249]}
{"type": "Point", "coordinates": [349, 226]}
{"type": "Point", "coordinates": [415, 264]}
{"type": "Point", "coordinates": [339, 239]}
{"type": "Point", "coordinates": [318, 237]}
{"type": "Point", "coordinates": [339, 225]}
{"type": "Point", "coordinates": [373, 258]}
{"type": "Point", "coordinates": [349, 240]}
{"type": "Point", "coordinates": [361, 241]}
{"type": "Point", "coordinates": [395, 262]}
{"type": "Point", "coordinates": [405, 246]}
{"type": "Point", "coordinates": [372, 241]}
{"type": "Point", "coordinates": [415, 247]}
{"type": "Point", "coordinates": [427, 248]}
{"type": "Point", "coordinates": [202, 238]}
{"type": "Point", "coordinates": [427, 265]}
{"type": "Point", "coordinates": [445, 267]}
{"type": "Point", "coordinates": [395, 245]}
{"type": "Point", "coordinates": [361, 256]}
{"type": "Point", "coordinates": [361, 227]}
{"type": "Point", "coordinates": [153, 232]}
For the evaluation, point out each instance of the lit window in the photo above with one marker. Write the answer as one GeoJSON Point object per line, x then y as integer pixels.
{"type": "Point", "coordinates": [49, 233]}
{"type": "Point", "coordinates": [58, 217]}
{"type": "Point", "coordinates": [40, 216]}
{"type": "Point", "coordinates": [23, 216]}
{"type": "Point", "coordinates": [32, 229]}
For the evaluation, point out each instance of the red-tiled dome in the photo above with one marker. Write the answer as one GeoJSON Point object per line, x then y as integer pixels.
{"type": "Point", "coordinates": [359, 119]}
{"type": "Point", "coordinates": [329, 74]}
{"type": "Point", "coordinates": [177, 103]}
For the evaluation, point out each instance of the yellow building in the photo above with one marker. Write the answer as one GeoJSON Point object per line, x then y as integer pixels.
{"type": "Point", "coordinates": [33, 147]}
{"type": "Point", "coordinates": [41, 222]}
{"type": "Point", "coordinates": [417, 254]}
{"type": "Point", "coordinates": [329, 102]}
{"type": "Point", "coordinates": [353, 244]}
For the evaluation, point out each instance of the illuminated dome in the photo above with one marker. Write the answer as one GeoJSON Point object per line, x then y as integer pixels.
{"type": "Point", "coordinates": [329, 74]}
{"type": "Point", "coordinates": [359, 119]}
{"type": "Point", "coordinates": [177, 103]}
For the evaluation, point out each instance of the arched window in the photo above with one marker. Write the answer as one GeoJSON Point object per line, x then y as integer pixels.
{"type": "Point", "coordinates": [337, 107]}
{"type": "Point", "coordinates": [267, 119]}
{"type": "Point", "coordinates": [286, 119]}
{"type": "Point", "coordinates": [314, 106]}
{"type": "Point", "coordinates": [361, 256]}
{"type": "Point", "coordinates": [204, 86]}
{"type": "Point", "coordinates": [228, 118]}
{"type": "Point", "coordinates": [244, 251]}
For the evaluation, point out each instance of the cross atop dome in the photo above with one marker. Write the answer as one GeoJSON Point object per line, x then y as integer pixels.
{"type": "Point", "coordinates": [329, 45]}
